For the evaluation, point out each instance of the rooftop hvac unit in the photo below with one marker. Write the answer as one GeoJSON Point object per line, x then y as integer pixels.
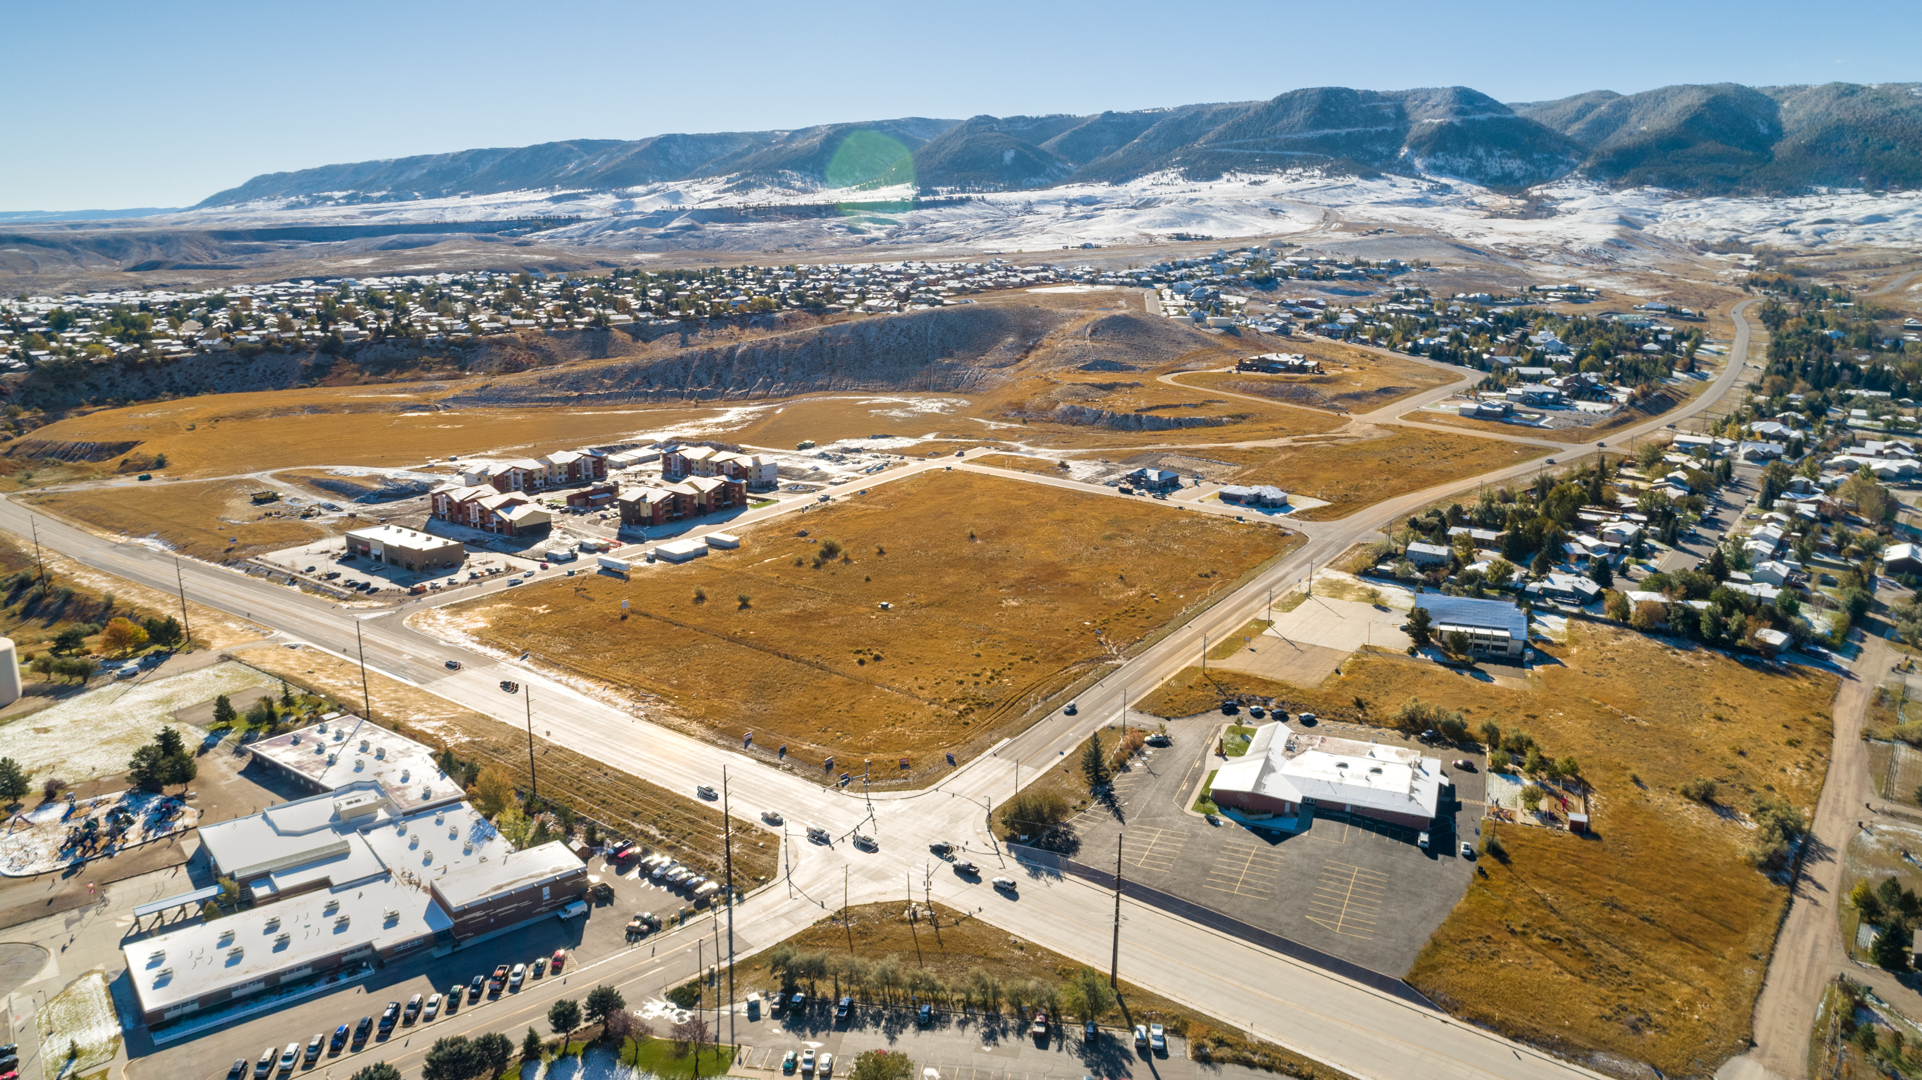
{"type": "Point", "coordinates": [400, 827]}
{"type": "Point", "coordinates": [392, 913]}
{"type": "Point", "coordinates": [454, 833]}
{"type": "Point", "coordinates": [156, 956]}
{"type": "Point", "coordinates": [360, 764]}
{"type": "Point", "coordinates": [426, 793]}
{"type": "Point", "coordinates": [295, 741]}
{"type": "Point", "coordinates": [273, 923]}
{"type": "Point", "coordinates": [380, 753]}
{"type": "Point", "coordinates": [332, 906]}
{"type": "Point", "coordinates": [440, 817]}
{"type": "Point", "coordinates": [333, 758]}
{"type": "Point", "coordinates": [236, 952]}
{"type": "Point", "coordinates": [323, 726]}
{"type": "Point", "coordinates": [226, 936]}
{"type": "Point", "coordinates": [404, 773]}
{"type": "Point", "coordinates": [320, 748]}
{"type": "Point", "coordinates": [364, 744]}
{"type": "Point", "coordinates": [413, 841]}
{"type": "Point", "coordinates": [341, 920]}
{"type": "Point", "coordinates": [282, 939]}
{"type": "Point", "coordinates": [467, 848]}
{"type": "Point", "coordinates": [162, 975]}
{"type": "Point", "coordinates": [428, 860]}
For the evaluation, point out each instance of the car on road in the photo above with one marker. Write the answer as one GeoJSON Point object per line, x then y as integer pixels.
{"type": "Point", "coordinates": [517, 976]}
{"type": "Point", "coordinates": [1465, 764]}
{"type": "Point", "coordinates": [771, 817]}
{"type": "Point", "coordinates": [1157, 1038]}
{"type": "Point", "coordinates": [1141, 1035]}
{"type": "Point", "coordinates": [707, 793]}
{"type": "Point", "coordinates": [238, 1070]}
{"type": "Point", "coordinates": [389, 1017]}
{"type": "Point", "coordinates": [826, 1067]}
{"type": "Point", "coordinates": [474, 988]}
{"type": "Point", "coordinates": [412, 1012]}
{"type": "Point", "coordinates": [967, 869]}
{"type": "Point", "coordinates": [941, 848]}
{"type": "Point", "coordinates": [863, 840]}
{"type": "Point", "coordinates": [1468, 850]}
{"type": "Point", "coordinates": [1550, 461]}
{"type": "Point", "coordinates": [807, 1062]}
{"type": "Point", "coordinates": [789, 1062]}
{"type": "Point", "coordinates": [510, 686]}
{"type": "Point", "coordinates": [513, 582]}
{"type": "Point", "coordinates": [433, 1008]}
{"type": "Point", "coordinates": [265, 1065]}
{"type": "Point", "coordinates": [453, 665]}
{"type": "Point", "coordinates": [313, 1047]}
{"type": "Point", "coordinates": [817, 834]}
{"type": "Point", "coordinates": [1160, 738]}
{"type": "Point", "coordinates": [1005, 884]}
{"type": "Point", "coordinates": [339, 1040]}
{"type": "Point", "coordinates": [361, 1030]}
{"type": "Point", "coordinates": [1039, 1029]}
{"type": "Point", "coordinates": [1071, 709]}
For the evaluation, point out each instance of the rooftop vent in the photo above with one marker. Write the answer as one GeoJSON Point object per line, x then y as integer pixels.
{"type": "Point", "coordinates": [440, 817]}
{"type": "Point", "coordinates": [380, 753]}
{"type": "Point", "coordinates": [273, 924]}
{"type": "Point", "coordinates": [295, 741]}
{"type": "Point", "coordinates": [282, 939]}
{"type": "Point", "coordinates": [360, 764]}
{"type": "Point", "coordinates": [162, 975]}
{"type": "Point", "coordinates": [333, 758]}
{"type": "Point", "coordinates": [364, 744]}
{"type": "Point", "coordinates": [404, 773]}
{"type": "Point", "coordinates": [332, 906]}
{"type": "Point", "coordinates": [156, 956]}
{"type": "Point", "coordinates": [322, 727]}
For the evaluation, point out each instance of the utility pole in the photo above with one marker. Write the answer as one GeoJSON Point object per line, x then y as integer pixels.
{"type": "Point", "coordinates": [186, 632]}
{"type": "Point", "coordinates": [700, 986]}
{"type": "Point", "coordinates": [1204, 652]}
{"type": "Point", "coordinates": [533, 781]}
{"type": "Point", "coordinates": [366, 698]}
{"type": "Point", "coordinates": [844, 910]}
{"type": "Point", "coordinates": [35, 526]}
{"type": "Point", "coordinates": [727, 849]}
{"type": "Point", "coordinates": [1114, 960]}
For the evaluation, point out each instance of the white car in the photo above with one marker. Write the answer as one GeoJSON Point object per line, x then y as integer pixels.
{"type": "Point", "coordinates": [432, 1008]}
{"type": "Point", "coordinates": [807, 1062]}
{"type": "Point", "coordinates": [826, 1068]}
{"type": "Point", "coordinates": [1005, 884]}
{"type": "Point", "coordinates": [515, 977]}
{"type": "Point", "coordinates": [1157, 1038]}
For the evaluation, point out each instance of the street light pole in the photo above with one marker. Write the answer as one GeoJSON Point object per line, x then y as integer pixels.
{"type": "Point", "coordinates": [727, 847]}
{"type": "Point", "coordinates": [186, 632]}
{"type": "Point", "coordinates": [366, 697]}
{"type": "Point", "coordinates": [1114, 960]}
{"type": "Point", "coordinates": [533, 781]}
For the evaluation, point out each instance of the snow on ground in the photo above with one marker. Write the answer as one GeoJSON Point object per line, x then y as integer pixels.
{"type": "Point", "coordinates": [81, 1015]}
{"type": "Point", "coordinates": [597, 1063]}
{"type": "Point", "coordinates": [53, 835]}
{"type": "Point", "coordinates": [96, 733]}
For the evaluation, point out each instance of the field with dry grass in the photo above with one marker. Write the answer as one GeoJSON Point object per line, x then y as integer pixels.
{"type": "Point", "coordinates": [1651, 939]}
{"type": "Point", "coordinates": [1352, 474]}
{"type": "Point", "coordinates": [1668, 398]}
{"type": "Point", "coordinates": [1022, 463]}
{"type": "Point", "coordinates": [1352, 380]}
{"type": "Point", "coordinates": [626, 804]}
{"type": "Point", "coordinates": [1001, 593]}
{"type": "Point", "coordinates": [212, 519]}
{"type": "Point", "coordinates": [939, 952]}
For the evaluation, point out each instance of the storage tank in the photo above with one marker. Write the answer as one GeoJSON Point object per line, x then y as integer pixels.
{"type": "Point", "coordinates": [9, 672]}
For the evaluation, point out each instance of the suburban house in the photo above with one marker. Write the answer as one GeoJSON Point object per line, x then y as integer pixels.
{"type": "Point", "coordinates": [406, 548]}
{"type": "Point", "coordinates": [1902, 559]}
{"type": "Point", "coordinates": [1495, 628]}
{"type": "Point", "coordinates": [1285, 772]}
{"type": "Point", "coordinates": [1568, 588]}
{"type": "Point", "coordinates": [1279, 364]}
{"type": "Point", "coordinates": [1429, 554]}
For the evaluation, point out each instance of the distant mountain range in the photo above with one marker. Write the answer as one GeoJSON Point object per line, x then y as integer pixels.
{"type": "Point", "coordinates": [1717, 139]}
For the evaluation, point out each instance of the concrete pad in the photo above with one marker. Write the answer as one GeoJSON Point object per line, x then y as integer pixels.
{"type": "Point", "coordinates": [1293, 662]}
{"type": "Point", "coordinates": [1346, 625]}
{"type": "Point", "coordinates": [1746, 1068]}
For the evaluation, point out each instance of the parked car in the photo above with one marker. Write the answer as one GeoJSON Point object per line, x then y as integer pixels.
{"type": "Point", "coordinates": [844, 1008]}
{"type": "Point", "coordinates": [1039, 1029]}
{"type": "Point", "coordinates": [1229, 708]}
{"type": "Point", "coordinates": [807, 1062]}
{"type": "Point", "coordinates": [540, 967]}
{"type": "Point", "coordinates": [454, 995]}
{"type": "Point", "coordinates": [265, 1065]}
{"type": "Point", "coordinates": [339, 1040]}
{"type": "Point", "coordinates": [362, 1030]}
{"type": "Point", "coordinates": [389, 1017]}
{"type": "Point", "coordinates": [1468, 850]}
{"type": "Point", "coordinates": [314, 1046]}
{"type": "Point", "coordinates": [433, 1008]}
{"type": "Point", "coordinates": [826, 1067]}
{"type": "Point", "coordinates": [1160, 738]}
{"type": "Point", "coordinates": [474, 988]}
{"type": "Point", "coordinates": [517, 976]}
{"type": "Point", "coordinates": [554, 962]}
{"type": "Point", "coordinates": [1464, 764]}
{"type": "Point", "coordinates": [1422, 841]}
{"type": "Point", "coordinates": [1157, 1038]}
{"type": "Point", "coordinates": [1141, 1035]}
{"type": "Point", "coordinates": [412, 1012]}
{"type": "Point", "coordinates": [238, 1070]}
{"type": "Point", "coordinates": [789, 1062]}
{"type": "Point", "coordinates": [497, 981]}
{"type": "Point", "coordinates": [925, 1015]}
{"type": "Point", "coordinates": [797, 1002]}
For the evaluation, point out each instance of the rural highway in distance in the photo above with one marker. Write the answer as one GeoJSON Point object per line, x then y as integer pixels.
{"type": "Point", "coordinates": [1315, 1013]}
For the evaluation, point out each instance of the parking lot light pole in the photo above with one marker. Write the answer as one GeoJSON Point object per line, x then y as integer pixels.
{"type": "Point", "coordinates": [1114, 960]}
{"type": "Point", "coordinates": [533, 781]}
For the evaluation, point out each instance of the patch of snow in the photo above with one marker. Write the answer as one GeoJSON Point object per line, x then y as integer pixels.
{"type": "Point", "coordinates": [97, 732]}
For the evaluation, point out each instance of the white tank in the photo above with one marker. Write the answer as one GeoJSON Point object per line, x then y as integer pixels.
{"type": "Point", "coordinates": [9, 673]}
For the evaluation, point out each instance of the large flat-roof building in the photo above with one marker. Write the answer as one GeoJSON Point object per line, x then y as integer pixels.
{"type": "Point", "coordinates": [340, 750]}
{"type": "Point", "coordinates": [406, 548]}
{"type": "Point", "coordinates": [1286, 772]}
{"type": "Point", "coordinates": [1495, 628]}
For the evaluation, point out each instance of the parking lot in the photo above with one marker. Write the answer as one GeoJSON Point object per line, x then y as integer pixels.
{"type": "Point", "coordinates": [963, 1046]}
{"type": "Point", "coordinates": [1359, 889]}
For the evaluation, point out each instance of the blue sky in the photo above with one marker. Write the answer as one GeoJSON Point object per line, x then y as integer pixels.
{"type": "Point", "coordinates": [118, 104]}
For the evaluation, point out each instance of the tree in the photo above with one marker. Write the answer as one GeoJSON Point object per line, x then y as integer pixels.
{"type": "Point", "coordinates": [1500, 573]}
{"type": "Point", "coordinates": [617, 1026]}
{"type": "Point", "coordinates": [14, 782]}
{"type": "Point", "coordinates": [224, 713]}
{"type": "Point", "coordinates": [1034, 812]}
{"type": "Point", "coordinates": [493, 790]}
{"type": "Point", "coordinates": [564, 1016]}
{"type": "Point", "coordinates": [495, 1051]}
{"type": "Point", "coordinates": [164, 761]}
{"type": "Point", "coordinates": [1648, 615]}
{"type": "Point", "coordinates": [882, 1065]}
{"type": "Point", "coordinates": [1648, 455]}
{"type": "Point", "coordinates": [1867, 904]}
{"type": "Point", "coordinates": [1871, 499]}
{"type": "Point", "coordinates": [1615, 606]}
{"type": "Point", "coordinates": [453, 1057]}
{"type": "Point", "coordinates": [163, 632]}
{"type": "Point", "coordinates": [1491, 734]}
{"type": "Point", "coordinates": [513, 824]}
{"type": "Point", "coordinates": [531, 1043]}
{"type": "Point", "coordinates": [69, 641]}
{"type": "Point", "coordinates": [601, 1000]}
{"type": "Point", "coordinates": [122, 637]}
{"type": "Point", "coordinates": [1717, 566]}
{"type": "Point", "coordinates": [1891, 948]}
{"type": "Point", "coordinates": [1088, 995]}
{"type": "Point", "coordinates": [1094, 762]}
{"type": "Point", "coordinates": [1532, 798]}
{"type": "Point", "coordinates": [690, 1033]}
{"type": "Point", "coordinates": [380, 1070]}
{"type": "Point", "coordinates": [1417, 627]}
{"type": "Point", "coordinates": [1456, 643]}
{"type": "Point", "coordinates": [1601, 573]}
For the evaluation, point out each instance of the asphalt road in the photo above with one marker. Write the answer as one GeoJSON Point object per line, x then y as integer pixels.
{"type": "Point", "coordinates": [1313, 1012]}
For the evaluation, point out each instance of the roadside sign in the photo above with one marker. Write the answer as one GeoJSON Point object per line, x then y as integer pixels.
{"type": "Point", "coordinates": [950, 761]}
{"type": "Point", "coordinates": [904, 763]}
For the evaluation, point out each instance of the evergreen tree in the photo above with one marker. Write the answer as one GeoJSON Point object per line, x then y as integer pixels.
{"type": "Point", "coordinates": [1601, 573]}
{"type": "Point", "coordinates": [531, 1044]}
{"type": "Point", "coordinates": [224, 711]}
{"type": "Point", "coordinates": [1094, 763]}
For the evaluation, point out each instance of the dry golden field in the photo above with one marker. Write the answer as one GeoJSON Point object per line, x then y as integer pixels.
{"type": "Point", "coordinates": [1651, 939]}
{"type": "Point", "coordinates": [1002, 593]}
{"type": "Point", "coordinates": [1353, 474]}
{"type": "Point", "coordinates": [1352, 380]}
{"type": "Point", "coordinates": [196, 518]}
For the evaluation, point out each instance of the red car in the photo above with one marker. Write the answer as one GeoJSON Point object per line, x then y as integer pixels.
{"type": "Point", "coordinates": [554, 964]}
{"type": "Point", "coordinates": [498, 980]}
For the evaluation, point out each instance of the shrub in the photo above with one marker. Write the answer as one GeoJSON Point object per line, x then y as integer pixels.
{"type": "Point", "coordinates": [1700, 790]}
{"type": "Point", "coordinates": [1033, 812]}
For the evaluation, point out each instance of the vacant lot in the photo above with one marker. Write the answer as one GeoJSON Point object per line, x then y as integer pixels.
{"type": "Point", "coordinates": [626, 804]}
{"type": "Point", "coordinates": [1352, 381]}
{"type": "Point", "coordinates": [1023, 463]}
{"type": "Point", "coordinates": [211, 519]}
{"type": "Point", "coordinates": [1395, 461]}
{"type": "Point", "coordinates": [1650, 940]}
{"type": "Point", "coordinates": [957, 961]}
{"type": "Point", "coordinates": [1000, 594]}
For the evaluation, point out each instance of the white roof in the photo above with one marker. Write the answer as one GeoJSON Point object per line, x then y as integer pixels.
{"type": "Point", "coordinates": [396, 534]}
{"type": "Point", "coordinates": [1284, 764]}
{"type": "Point", "coordinates": [338, 752]}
